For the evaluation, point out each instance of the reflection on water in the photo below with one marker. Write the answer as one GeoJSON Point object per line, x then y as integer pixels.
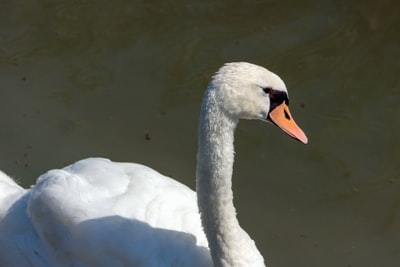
{"type": "Point", "coordinates": [124, 80]}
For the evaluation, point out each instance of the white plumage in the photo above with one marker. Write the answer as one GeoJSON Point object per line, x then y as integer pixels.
{"type": "Point", "coordinates": [96, 212]}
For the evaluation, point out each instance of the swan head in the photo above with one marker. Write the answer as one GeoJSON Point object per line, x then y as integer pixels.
{"type": "Point", "coordinates": [247, 91]}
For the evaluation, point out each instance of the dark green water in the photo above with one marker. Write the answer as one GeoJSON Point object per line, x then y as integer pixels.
{"type": "Point", "coordinates": [124, 80]}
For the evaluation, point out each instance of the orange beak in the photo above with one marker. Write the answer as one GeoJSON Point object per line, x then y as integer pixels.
{"type": "Point", "coordinates": [282, 118]}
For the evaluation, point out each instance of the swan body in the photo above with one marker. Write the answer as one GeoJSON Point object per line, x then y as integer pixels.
{"type": "Point", "coordinates": [96, 212]}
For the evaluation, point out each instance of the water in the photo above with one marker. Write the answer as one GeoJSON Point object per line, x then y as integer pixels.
{"type": "Point", "coordinates": [124, 80]}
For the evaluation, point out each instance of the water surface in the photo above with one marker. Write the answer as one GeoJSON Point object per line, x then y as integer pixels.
{"type": "Point", "coordinates": [124, 80]}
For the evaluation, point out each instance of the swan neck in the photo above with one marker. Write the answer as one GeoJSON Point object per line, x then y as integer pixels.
{"type": "Point", "coordinates": [215, 158]}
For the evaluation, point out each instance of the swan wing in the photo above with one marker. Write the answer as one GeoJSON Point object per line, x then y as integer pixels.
{"type": "Point", "coordinates": [9, 192]}
{"type": "Point", "coordinates": [101, 213]}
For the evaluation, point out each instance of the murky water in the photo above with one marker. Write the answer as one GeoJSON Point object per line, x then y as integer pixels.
{"type": "Point", "coordinates": [124, 80]}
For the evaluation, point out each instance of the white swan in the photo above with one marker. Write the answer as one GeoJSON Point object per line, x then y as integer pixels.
{"type": "Point", "coordinates": [96, 212]}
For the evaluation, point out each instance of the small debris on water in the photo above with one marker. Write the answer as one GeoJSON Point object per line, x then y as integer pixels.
{"type": "Point", "coordinates": [355, 189]}
{"type": "Point", "coordinates": [147, 136]}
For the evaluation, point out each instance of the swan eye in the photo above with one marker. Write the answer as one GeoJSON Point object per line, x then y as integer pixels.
{"type": "Point", "coordinates": [267, 90]}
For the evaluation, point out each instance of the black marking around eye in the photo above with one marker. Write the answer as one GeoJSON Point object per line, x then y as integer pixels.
{"type": "Point", "coordinates": [276, 98]}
